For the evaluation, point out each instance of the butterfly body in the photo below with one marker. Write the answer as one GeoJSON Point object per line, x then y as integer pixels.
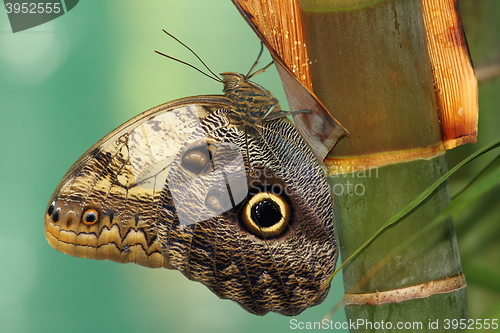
{"type": "Point", "coordinates": [221, 188]}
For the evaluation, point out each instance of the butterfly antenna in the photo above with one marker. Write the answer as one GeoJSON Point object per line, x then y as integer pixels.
{"type": "Point", "coordinates": [249, 75]}
{"type": "Point", "coordinates": [194, 53]}
{"type": "Point", "coordinates": [260, 70]}
{"type": "Point", "coordinates": [192, 66]}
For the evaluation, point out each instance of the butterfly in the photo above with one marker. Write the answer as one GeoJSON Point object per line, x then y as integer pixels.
{"type": "Point", "coordinates": [223, 188]}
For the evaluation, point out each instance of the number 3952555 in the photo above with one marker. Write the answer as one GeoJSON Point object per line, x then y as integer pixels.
{"type": "Point", "coordinates": [33, 8]}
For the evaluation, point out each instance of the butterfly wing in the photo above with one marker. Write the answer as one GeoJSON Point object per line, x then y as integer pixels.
{"type": "Point", "coordinates": [108, 204]}
{"type": "Point", "coordinates": [244, 210]}
{"type": "Point", "coordinates": [270, 244]}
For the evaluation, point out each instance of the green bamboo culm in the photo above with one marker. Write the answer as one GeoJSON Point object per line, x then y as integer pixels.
{"type": "Point", "coordinates": [461, 199]}
{"type": "Point", "coordinates": [370, 67]}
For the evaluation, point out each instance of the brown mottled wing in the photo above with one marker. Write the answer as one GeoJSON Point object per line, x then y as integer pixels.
{"type": "Point", "coordinates": [278, 25]}
{"type": "Point", "coordinates": [284, 273]}
{"type": "Point", "coordinates": [120, 180]}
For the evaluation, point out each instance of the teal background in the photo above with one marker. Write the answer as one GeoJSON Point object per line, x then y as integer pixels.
{"type": "Point", "coordinates": [63, 86]}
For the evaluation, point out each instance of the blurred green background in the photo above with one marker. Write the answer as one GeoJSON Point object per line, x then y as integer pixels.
{"type": "Point", "coordinates": [67, 83]}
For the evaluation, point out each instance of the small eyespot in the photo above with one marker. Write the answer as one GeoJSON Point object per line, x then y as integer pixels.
{"type": "Point", "coordinates": [266, 214]}
{"type": "Point", "coordinates": [218, 200]}
{"type": "Point", "coordinates": [69, 220]}
{"type": "Point", "coordinates": [51, 208]}
{"type": "Point", "coordinates": [196, 159]}
{"type": "Point", "coordinates": [213, 201]}
{"type": "Point", "coordinates": [90, 216]}
{"type": "Point", "coordinates": [56, 215]}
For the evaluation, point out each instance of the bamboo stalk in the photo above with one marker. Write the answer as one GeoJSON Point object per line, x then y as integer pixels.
{"type": "Point", "coordinates": [371, 68]}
